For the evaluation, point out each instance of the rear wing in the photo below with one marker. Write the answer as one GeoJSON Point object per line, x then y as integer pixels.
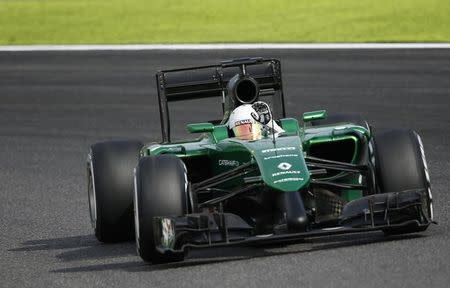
{"type": "Point", "coordinates": [211, 81]}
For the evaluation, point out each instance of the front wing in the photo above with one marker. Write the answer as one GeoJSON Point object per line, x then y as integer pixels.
{"type": "Point", "coordinates": [387, 212]}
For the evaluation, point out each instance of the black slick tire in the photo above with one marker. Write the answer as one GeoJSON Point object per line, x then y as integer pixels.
{"type": "Point", "coordinates": [110, 189]}
{"type": "Point", "coordinates": [401, 165]}
{"type": "Point", "coordinates": [160, 190]}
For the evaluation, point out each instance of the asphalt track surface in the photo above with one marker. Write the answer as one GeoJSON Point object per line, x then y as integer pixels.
{"type": "Point", "coordinates": [53, 105]}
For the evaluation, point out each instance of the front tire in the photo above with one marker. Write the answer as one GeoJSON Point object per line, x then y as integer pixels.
{"type": "Point", "coordinates": [401, 165]}
{"type": "Point", "coordinates": [160, 190]}
{"type": "Point", "coordinates": [110, 189]}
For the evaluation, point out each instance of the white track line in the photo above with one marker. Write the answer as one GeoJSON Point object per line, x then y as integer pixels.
{"type": "Point", "coordinates": [283, 46]}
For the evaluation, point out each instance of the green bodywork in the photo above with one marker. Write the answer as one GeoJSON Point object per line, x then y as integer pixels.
{"type": "Point", "coordinates": [280, 160]}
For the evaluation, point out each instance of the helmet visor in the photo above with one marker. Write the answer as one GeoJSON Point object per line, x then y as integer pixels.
{"type": "Point", "coordinates": [248, 131]}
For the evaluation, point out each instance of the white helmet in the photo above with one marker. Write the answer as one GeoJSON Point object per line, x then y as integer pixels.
{"type": "Point", "coordinates": [242, 122]}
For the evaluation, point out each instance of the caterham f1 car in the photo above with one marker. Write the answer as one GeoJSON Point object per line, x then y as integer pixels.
{"type": "Point", "coordinates": [319, 176]}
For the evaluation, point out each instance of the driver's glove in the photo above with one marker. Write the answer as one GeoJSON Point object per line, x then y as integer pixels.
{"type": "Point", "coordinates": [264, 116]}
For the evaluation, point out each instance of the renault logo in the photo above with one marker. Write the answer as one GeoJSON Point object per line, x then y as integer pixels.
{"type": "Point", "coordinates": [284, 166]}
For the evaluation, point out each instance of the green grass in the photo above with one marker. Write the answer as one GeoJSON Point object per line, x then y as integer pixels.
{"type": "Point", "coordinates": [197, 21]}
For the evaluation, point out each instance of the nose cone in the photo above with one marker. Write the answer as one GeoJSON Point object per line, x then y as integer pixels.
{"type": "Point", "coordinates": [282, 165]}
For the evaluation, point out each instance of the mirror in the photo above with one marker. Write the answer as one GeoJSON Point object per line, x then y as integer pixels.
{"type": "Point", "coordinates": [314, 115]}
{"type": "Point", "coordinates": [200, 127]}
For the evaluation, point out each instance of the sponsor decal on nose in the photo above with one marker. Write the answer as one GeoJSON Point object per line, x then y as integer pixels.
{"type": "Point", "coordinates": [284, 166]}
{"type": "Point", "coordinates": [232, 163]}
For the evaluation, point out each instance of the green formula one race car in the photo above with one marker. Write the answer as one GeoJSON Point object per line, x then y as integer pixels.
{"type": "Point", "coordinates": [254, 176]}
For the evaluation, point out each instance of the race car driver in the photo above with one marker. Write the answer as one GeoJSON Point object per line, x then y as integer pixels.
{"type": "Point", "coordinates": [248, 121]}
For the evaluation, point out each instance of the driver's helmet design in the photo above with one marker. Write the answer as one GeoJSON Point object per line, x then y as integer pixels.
{"type": "Point", "coordinates": [242, 122]}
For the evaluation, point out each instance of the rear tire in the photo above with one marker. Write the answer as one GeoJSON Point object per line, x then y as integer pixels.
{"type": "Point", "coordinates": [160, 190]}
{"type": "Point", "coordinates": [110, 189]}
{"type": "Point", "coordinates": [401, 165]}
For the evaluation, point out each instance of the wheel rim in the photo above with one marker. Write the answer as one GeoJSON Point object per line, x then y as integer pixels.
{"type": "Point", "coordinates": [91, 195]}
{"type": "Point", "coordinates": [136, 213]}
{"type": "Point", "coordinates": [427, 198]}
